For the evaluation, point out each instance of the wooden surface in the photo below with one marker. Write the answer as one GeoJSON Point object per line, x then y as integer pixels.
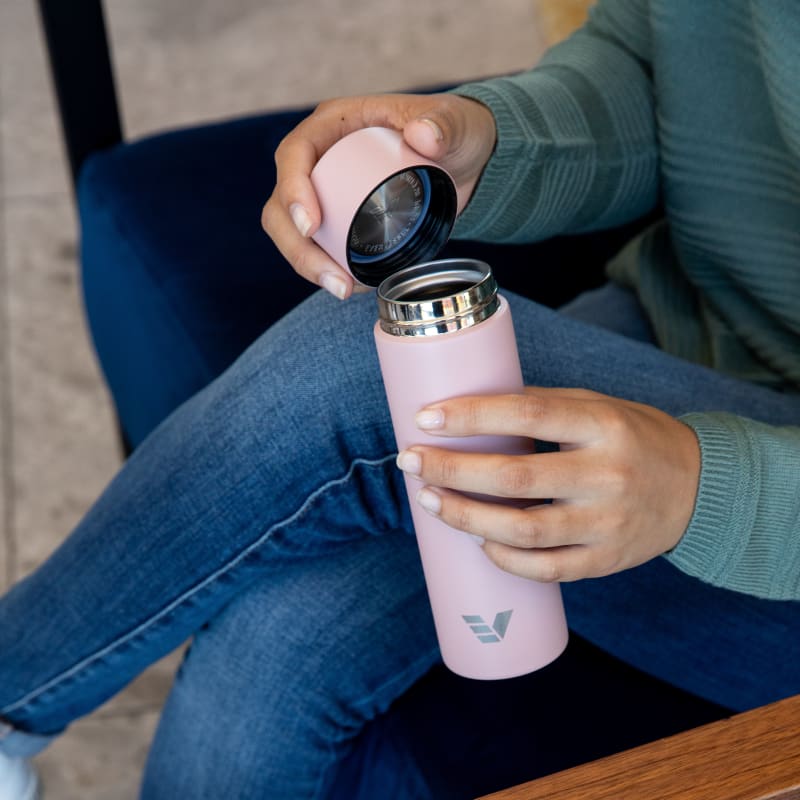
{"type": "Point", "coordinates": [751, 756]}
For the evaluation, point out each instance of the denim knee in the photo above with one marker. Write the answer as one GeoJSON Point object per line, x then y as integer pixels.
{"type": "Point", "coordinates": [275, 687]}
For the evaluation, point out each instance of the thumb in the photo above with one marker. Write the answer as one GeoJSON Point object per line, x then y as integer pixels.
{"type": "Point", "coordinates": [457, 133]}
{"type": "Point", "coordinates": [426, 134]}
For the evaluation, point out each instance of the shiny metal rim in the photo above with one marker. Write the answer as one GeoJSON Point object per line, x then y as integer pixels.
{"type": "Point", "coordinates": [437, 297]}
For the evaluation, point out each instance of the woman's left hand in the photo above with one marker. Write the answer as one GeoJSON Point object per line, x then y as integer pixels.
{"type": "Point", "coordinates": [623, 484]}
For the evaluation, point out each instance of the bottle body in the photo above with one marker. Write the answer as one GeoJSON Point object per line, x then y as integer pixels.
{"type": "Point", "coordinates": [490, 624]}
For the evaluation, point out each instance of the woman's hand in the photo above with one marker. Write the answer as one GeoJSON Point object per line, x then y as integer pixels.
{"type": "Point", "coordinates": [456, 132]}
{"type": "Point", "coordinates": [623, 485]}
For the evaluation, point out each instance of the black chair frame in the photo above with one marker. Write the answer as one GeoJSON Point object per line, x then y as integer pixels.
{"type": "Point", "coordinates": [82, 73]}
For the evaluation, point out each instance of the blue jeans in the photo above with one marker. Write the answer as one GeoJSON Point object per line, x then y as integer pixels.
{"type": "Point", "coordinates": [266, 517]}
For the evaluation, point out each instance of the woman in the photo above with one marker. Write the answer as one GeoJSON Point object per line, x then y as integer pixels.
{"type": "Point", "coordinates": [249, 517]}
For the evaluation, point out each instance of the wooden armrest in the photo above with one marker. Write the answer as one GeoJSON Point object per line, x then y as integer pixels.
{"type": "Point", "coordinates": [750, 756]}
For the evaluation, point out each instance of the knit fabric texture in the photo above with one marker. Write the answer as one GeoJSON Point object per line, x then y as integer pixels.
{"type": "Point", "coordinates": [696, 106]}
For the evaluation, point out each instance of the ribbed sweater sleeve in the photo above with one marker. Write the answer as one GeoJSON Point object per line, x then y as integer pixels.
{"type": "Point", "coordinates": [576, 146]}
{"type": "Point", "coordinates": [745, 531]}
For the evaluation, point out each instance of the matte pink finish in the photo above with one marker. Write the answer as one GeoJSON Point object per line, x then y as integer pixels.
{"type": "Point", "coordinates": [461, 579]}
{"type": "Point", "coordinates": [348, 173]}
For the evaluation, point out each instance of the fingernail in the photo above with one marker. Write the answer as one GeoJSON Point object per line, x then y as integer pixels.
{"type": "Point", "coordinates": [437, 131]}
{"type": "Point", "coordinates": [430, 419]}
{"type": "Point", "coordinates": [300, 218]}
{"type": "Point", "coordinates": [429, 500]}
{"type": "Point", "coordinates": [332, 283]}
{"type": "Point", "coordinates": [409, 462]}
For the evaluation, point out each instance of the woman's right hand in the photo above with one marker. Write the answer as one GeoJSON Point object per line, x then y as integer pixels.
{"type": "Point", "coordinates": [456, 132]}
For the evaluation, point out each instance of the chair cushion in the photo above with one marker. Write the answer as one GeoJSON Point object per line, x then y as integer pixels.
{"type": "Point", "coordinates": [178, 275]}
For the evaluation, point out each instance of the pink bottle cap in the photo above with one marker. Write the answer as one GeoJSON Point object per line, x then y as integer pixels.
{"type": "Point", "coordinates": [384, 206]}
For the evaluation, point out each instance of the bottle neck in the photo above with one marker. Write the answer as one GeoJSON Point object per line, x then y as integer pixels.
{"type": "Point", "coordinates": [437, 297]}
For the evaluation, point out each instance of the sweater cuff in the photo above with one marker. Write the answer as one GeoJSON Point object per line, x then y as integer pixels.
{"type": "Point", "coordinates": [481, 217]}
{"type": "Point", "coordinates": [726, 504]}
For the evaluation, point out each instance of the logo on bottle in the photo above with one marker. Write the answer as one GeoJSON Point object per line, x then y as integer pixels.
{"type": "Point", "coordinates": [488, 634]}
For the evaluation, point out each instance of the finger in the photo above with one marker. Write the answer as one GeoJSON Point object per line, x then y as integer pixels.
{"type": "Point", "coordinates": [432, 124]}
{"type": "Point", "coordinates": [298, 153]}
{"type": "Point", "coordinates": [557, 564]}
{"type": "Point", "coordinates": [457, 132]}
{"type": "Point", "coordinates": [550, 525]}
{"type": "Point", "coordinates": [552, 416]}
{"type": "Point", "coordinates": [534, 477]}
{"type": "Point", "coordinates": [306, 258]}
{"type": "Point", "coordinates": [437, 128]}
{"type": "Point", "coordinates": [334, 119]}
{"type": "Point", "coordinates": [294, 160]}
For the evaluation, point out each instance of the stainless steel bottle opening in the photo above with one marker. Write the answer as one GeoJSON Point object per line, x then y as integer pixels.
{"type": "Point", "coordinates": [437, 297]}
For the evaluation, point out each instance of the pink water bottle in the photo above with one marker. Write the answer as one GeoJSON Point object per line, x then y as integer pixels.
{"type": "Point", "coordinates": [443, 331]}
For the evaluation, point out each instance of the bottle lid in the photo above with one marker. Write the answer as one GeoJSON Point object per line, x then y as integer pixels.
{"type": "Point", "coordinates": [384, 206]}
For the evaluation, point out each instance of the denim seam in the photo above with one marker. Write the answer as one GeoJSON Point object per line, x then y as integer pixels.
{"type": "Point", "coordinates": [128, 638]}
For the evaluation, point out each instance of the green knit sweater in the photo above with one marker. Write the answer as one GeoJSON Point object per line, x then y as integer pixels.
{"type": "Point", "coordinates": [695, 103]}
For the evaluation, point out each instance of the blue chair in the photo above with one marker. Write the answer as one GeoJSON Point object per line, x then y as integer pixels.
{"type": "Point", "coordinates": [179, 279]}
